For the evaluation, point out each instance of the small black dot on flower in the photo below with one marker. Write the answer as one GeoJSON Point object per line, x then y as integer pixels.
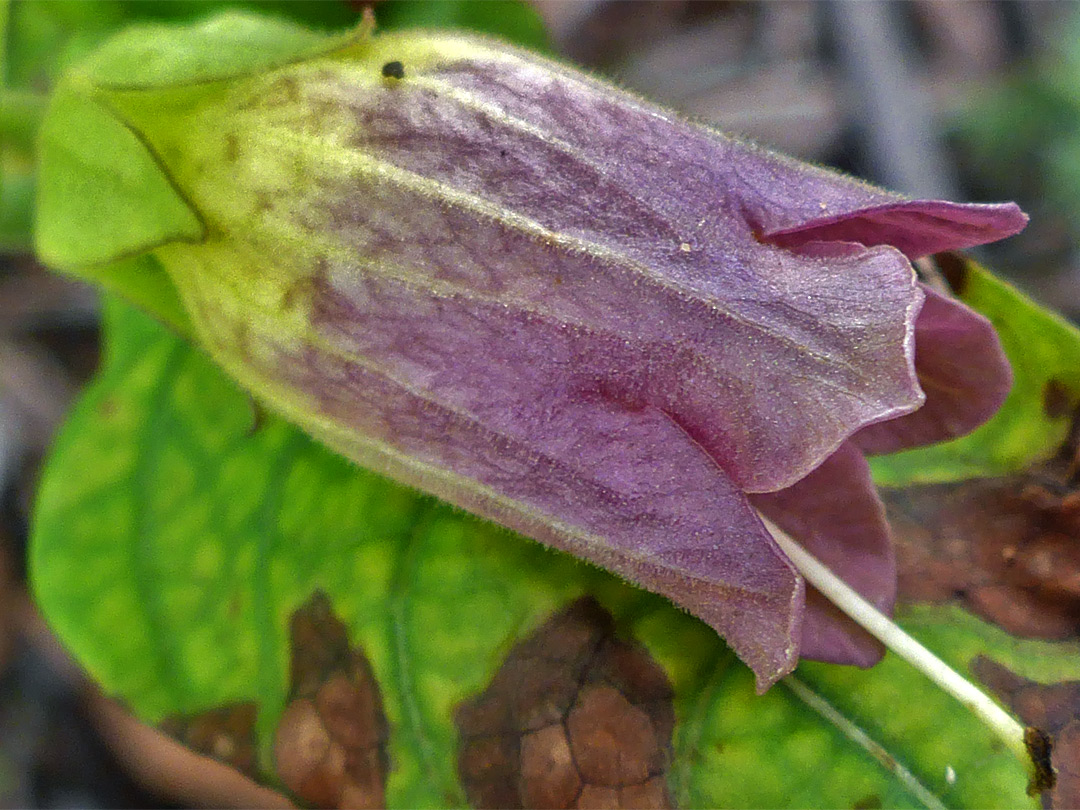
{"type": "Point", "coordinates": [393, 70]}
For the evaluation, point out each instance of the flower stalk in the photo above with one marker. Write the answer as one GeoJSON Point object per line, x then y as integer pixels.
{"type": "Point", "coordinates": [1016, 737]}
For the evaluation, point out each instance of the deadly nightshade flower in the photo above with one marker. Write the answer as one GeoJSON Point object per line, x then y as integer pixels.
{"type": "Point", "coordinates": [508, 284]}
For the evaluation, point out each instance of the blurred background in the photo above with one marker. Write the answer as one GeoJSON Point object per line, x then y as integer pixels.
{"type": "Point", "coordinates": [969, 101]}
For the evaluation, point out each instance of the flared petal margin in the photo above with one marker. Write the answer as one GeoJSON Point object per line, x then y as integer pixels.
{"type": "Point", "coordinates": [914, 227]}
{"type": "Point", "coordinates": [961, 368]}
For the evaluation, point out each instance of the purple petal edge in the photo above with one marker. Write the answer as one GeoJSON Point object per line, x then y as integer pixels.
{"type": "Point", "coordinates": [916, 228]}
{"type": "Point", "coordinates": [961, 367]}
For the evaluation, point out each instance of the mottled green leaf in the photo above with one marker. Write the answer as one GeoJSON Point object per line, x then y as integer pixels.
{"type": "Point", "coordinates": [1044, 351]}
{"type": "Point", "coordinates": [172, 540]}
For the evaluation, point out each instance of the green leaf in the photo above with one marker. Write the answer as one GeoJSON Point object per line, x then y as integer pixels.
{"type": "Point", "coordinates": [172, 541]}
{"type": "Point", "coordinates": [326, 14]}
{"type": "Point", "coordinates": [21, 113]}
{"type": "Point", "coordinates": [5, 20]}
{"type": "Point", "coordinates": [517, 22]}
{"type": "Point", "coordinates": [1044, 351]}
{"type": "Point", "coordinates": [44, 38]}
{"type": "Point", "coordinates": [810, 741]}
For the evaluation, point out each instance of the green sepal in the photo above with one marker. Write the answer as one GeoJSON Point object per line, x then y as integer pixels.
{"type": "Point", "coordinates": [102, 194]}
{"type": "Point", "coordinates": [144, 282]}
{"type": "Point", "coordinates": [105, 196]}
{"type": "Point", "coordinates": [226, 46]}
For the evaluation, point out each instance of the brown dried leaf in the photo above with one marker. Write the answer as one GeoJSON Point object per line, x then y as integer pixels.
{"type": "Point", "coordinates": [1005, 548]}
{"type": "Point", "coordinates": [575, 717]}
{"type": "Point", "coordinates": [330, 745]}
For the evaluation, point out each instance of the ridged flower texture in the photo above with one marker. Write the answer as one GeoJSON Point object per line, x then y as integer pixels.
{"type": "Point", "coordinates": [501, 281]}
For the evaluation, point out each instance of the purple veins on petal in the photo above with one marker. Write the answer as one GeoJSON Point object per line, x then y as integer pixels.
{"type": "Point", "coordinates": [675, 300]}
{"type": "Point", "coordinates": [622, 487]}
{"type": "Point", "coordinates": [788, 202]}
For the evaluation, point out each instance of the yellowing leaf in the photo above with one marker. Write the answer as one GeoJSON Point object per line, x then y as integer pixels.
{"type": "Point", "coordinates": [172, 544]}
